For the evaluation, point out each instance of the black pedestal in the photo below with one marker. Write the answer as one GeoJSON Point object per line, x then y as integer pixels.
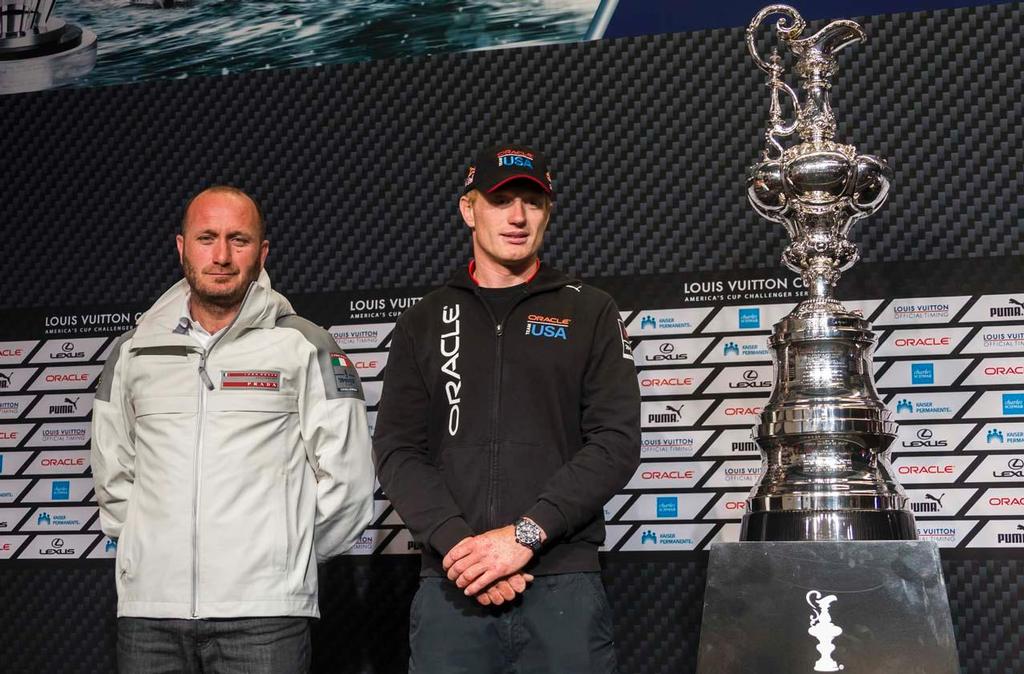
{"type": "Point", "coordinates": [870, 607]}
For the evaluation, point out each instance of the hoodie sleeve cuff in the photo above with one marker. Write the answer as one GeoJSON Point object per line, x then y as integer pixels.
{"type": "Point", "coordinates": [448, 535]}
{"type": "Point", "coordinates": [549, 518]}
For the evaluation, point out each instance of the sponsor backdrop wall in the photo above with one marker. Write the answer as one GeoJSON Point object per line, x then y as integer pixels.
{"type": "Point", "coordinates": [358, 167]}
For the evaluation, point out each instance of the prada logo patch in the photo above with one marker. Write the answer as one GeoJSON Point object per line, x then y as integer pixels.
{"type": "Point", "coordinates": [262, 380]}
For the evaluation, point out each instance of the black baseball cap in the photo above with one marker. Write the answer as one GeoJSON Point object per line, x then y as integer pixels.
{"type": "Point", "coordinates": [497, 165]}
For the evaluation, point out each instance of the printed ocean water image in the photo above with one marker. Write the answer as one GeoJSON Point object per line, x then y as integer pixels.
{"type": "Point", "coordinates": [162, 39]}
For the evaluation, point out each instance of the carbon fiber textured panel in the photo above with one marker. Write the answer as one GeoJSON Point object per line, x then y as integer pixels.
{"type": "Point", "coordinates": [63, 621]}
{"type": "Point", "coordinates": [358, 168]}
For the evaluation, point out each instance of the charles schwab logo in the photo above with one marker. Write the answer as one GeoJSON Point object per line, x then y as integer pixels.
{"type": "Point", "coordinates": [1013, 403]}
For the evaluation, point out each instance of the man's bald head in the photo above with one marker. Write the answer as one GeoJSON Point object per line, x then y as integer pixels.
{"type": "Point", "coordinates": [226, 192]}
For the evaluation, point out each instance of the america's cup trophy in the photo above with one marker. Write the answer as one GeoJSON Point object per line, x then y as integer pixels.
{"type": "Point", "coordinates": [824, 434]}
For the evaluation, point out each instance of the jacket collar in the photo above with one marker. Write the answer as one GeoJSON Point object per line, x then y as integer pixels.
{"type": "Point", "coordinates": [546, 278]}
{"type": "Point", "coordinates": [261, 308]}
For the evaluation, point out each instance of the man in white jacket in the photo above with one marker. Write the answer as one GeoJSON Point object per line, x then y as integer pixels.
{"type": "Point", "coordinates": [231, 453]}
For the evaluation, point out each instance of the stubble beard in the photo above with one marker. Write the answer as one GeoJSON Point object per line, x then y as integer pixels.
{"type": "Point", "coordinates": [222, 298]}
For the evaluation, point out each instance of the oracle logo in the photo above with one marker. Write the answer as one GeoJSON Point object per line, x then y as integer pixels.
{"type": "Point", "coordinates": [11, 353]}
{"type": "Point", "coordinates": [80, 461]}
{"type": "Point", "coordinates": [741, 411]}
{"type": "Point", "coordinates": [922, 341]}
{"type": "Point", "coordinates": [1003, 501]}
{"type": "Point", "coordinates": [74, 377]}
{"type": "Point", "coordinates": [670, 381]}
{"type": "Point", "coordinates": [735, 505]}
{"type": "Point", "coordinates": [5, 547]}
{"type": "Point", "coordinates": [667, 475]}
{"type": "Point", "coordinates": [8, 435]}
{"type": "Point", "coordinates": [926, 470]}
{"type": "Point", "coordinates": [997, 370]}
{"type": "Point", "coordinates": [365, 364]}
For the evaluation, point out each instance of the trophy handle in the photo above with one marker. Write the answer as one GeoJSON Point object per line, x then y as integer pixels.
{"type": "Point", "coordinates": [790, 25]}
{"type": "Point", "coordinates": [786, 31]}
{"type": "Point", "coordinates": [778, 126]}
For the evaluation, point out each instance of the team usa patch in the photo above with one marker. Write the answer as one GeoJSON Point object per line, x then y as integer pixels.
{"type": "Point", "coordinates": [627, 348]}
{"type": "Point", "coordinates": [538, 325]}
{"type": "Point", "coordinates": [260, 380]}
{"type": "Point", "coordinates": [515, 158]}
{"type": "Point", "coordinates": [345, 378]}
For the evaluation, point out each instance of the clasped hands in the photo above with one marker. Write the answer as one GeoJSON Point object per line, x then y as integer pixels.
{"type": "Point", "coordinates": [488, 567]}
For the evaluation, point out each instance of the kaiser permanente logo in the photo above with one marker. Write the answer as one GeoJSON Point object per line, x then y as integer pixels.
{"type": "Point", "coordinates": [940, 405]}
{"type": "Point", "coordinates": [675, 536]}
{"type": "Point", "coordinates": [1003, 435]}
{"type": "Point", "coordinates": [667, 321]}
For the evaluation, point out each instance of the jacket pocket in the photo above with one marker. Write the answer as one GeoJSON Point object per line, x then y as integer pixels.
{"type": "Point", "coordinates": [252, 458]}
{"type": "Point", "coordinates": [524, 469]}
{"type": "Point", "coordinates": [126, 553]}
{"type": "Point", "coordinates": [165, 405]}
{"type": "Point", "coordinates": [466, 471]}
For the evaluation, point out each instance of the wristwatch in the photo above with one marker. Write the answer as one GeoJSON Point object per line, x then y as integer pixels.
{"type": "Point", "coordinates": [528, 533]}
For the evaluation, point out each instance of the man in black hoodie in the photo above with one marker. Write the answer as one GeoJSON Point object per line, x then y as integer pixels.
{"type": "Point", "coordinates": [509, 417]}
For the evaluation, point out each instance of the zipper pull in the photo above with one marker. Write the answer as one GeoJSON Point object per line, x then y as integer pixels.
{"type": "Point", "coordinates": [202, 372]}
{"type": "Point", "coordinates": [500, 328]}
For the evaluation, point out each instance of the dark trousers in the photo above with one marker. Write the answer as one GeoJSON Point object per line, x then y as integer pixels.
{"type": "Point", "coordinates": [228, 646]}
{"type": "Point", "coordinates": [562, 624]}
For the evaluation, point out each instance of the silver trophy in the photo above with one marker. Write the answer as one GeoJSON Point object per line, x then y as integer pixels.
{"type": "Point", "coordinates": [824, 435]}
{"type": "Point", "coordinates": [39, 50]}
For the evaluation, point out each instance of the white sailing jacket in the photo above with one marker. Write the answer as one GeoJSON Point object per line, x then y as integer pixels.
{"type": "Point", "coordinates": [226, 473]}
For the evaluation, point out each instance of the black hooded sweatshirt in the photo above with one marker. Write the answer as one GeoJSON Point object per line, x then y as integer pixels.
{"type": "Point", "coordinates": [484, 419]}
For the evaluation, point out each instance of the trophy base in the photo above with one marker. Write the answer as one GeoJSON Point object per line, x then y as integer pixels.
{"type": "Point", "coordinates": [829, 525]}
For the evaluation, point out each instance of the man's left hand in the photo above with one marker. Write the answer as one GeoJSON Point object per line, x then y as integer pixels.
{"type": "Point", "coordinates": [477, 562]}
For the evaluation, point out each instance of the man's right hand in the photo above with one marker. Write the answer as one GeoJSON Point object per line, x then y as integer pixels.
{"type": "Point", "coordinates": [504, 590]}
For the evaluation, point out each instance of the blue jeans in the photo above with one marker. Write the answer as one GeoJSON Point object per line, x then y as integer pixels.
{"type": "Point", "coordinates": [562, 624]}
{"type": "Point", "coordinates": [221, 646]}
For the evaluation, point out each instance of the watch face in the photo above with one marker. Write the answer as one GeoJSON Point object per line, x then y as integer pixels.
{"type": "Point", "coordinates": [528, 534]}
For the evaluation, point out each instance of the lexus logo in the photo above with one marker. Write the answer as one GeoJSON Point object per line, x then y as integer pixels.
{"type": "Point", "coordinates": [925, 434]}
{"type": "Point", "coordinates": [67, 347]}
{"type": "Point", "coordinates": [666, 348]}
{"type": "Point", "coordinates": [57, 543]}
{"type": "Point", "coordinates": [750, 375]}
{"type": "Point", "coordinates": [1015, 463]}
